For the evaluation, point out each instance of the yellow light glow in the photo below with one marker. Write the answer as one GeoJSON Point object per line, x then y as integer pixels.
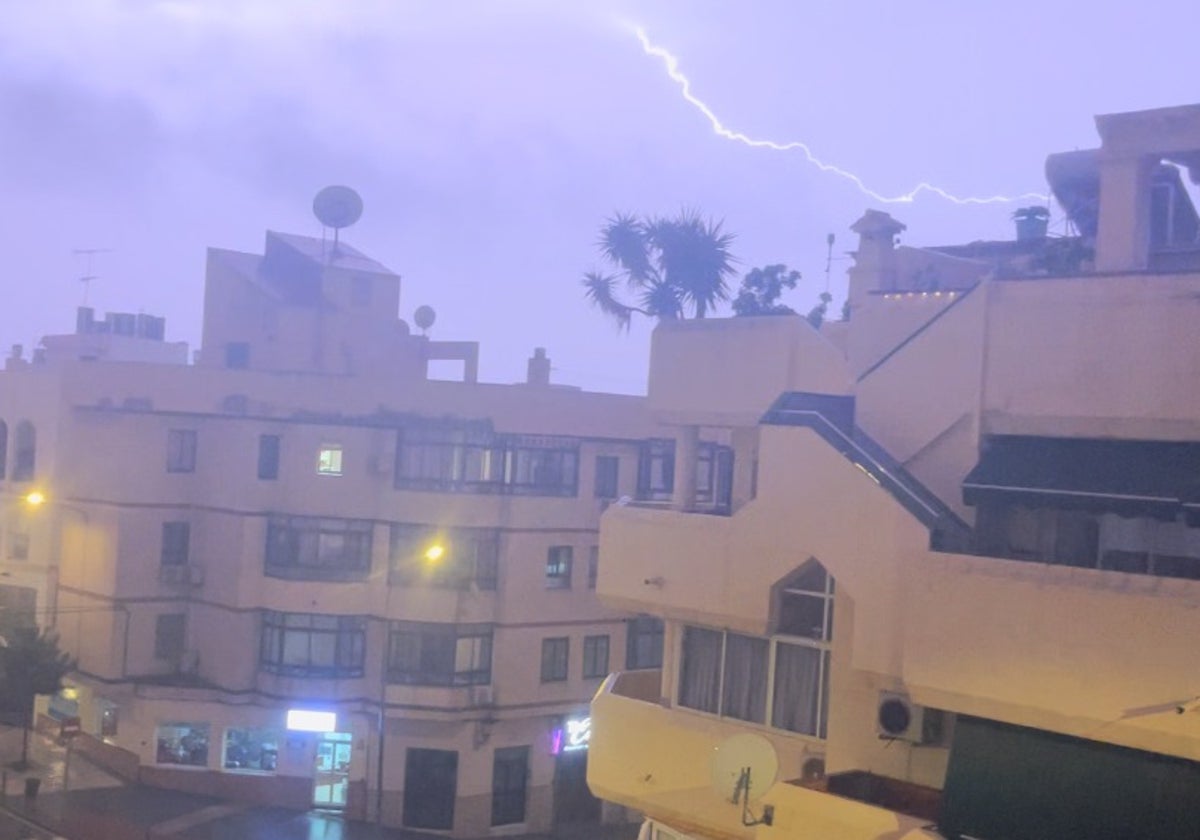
{"type": "Point", "coordinates": [35, 497]}
{"type": "Point", "coordinates": [435, 552]}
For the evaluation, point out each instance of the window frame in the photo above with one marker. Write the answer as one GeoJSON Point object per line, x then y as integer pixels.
{"type": "Point", "coordinates": [511, 786]}
{"type": "Point", "coordinates": [176, 547]}
{"type": "Point", "coordinates": [297, 548]}
{"type": "Point", "coordinates": [178, 635]}
{"type": "Point", "coordinates": [560, 560]}
{"type": "Point", "coordinates": [181, 450]}
{"type": "Point", "coordinates": [349, 644]}
{"type": "Point", "coordinates": [428, 635]}
{"type": "Point", "coordinates": [606, 483]}
{"type": "Point", "coordinates": [270, 447]}
{"type": "Point", "coordinates": [637, 630]}
{"type": "Point", "coordinates": [331, 459]}
{"type": "Point", "coordinates": [552, 670]}
{"type": "Point", "coordinates": [599, 666]}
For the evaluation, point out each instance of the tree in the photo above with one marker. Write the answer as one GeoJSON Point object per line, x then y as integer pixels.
{"type": "Point", "coordinates": [761, 288]}
{"type": "Point", "coordinates": [671, 266]}
{"type": "Point", "coordinates": [816, 315]}
{"type": "Point", "coordinates": [30, 664]}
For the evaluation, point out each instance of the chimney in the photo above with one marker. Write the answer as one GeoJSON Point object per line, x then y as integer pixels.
{"type": "Point", "coordinates": [539, 368]}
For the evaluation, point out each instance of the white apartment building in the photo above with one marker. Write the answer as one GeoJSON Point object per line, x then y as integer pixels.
{"type": "Point", "coordinates": [301, 572]}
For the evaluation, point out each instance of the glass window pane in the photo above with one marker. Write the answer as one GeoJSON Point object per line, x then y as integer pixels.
{"type": "Point", "coordinates": [744, 692]}
{"type": "Point", "coordinates": [797, 688]}
{"type": "Point", "coordinates": [700, 672]}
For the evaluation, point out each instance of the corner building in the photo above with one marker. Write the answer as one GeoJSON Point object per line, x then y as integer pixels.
{"type": "Point", "coordinates": [301, 572]}
{"type": "Point", "coordinates": [957, 591]}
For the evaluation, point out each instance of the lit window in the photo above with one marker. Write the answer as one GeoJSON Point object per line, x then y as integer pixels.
{"type": "Point", "coordinates": [251, 749]}
{"type": "Point", "coordinates": [558, 567]}
{"type": "Point", "coordinates": [182, 743]}
{"type": "Point", "coordinates": [329, 459]}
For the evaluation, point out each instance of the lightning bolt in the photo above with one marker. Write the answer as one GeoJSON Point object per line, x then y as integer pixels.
{"type": "Point", "coordinates": [671, 63]}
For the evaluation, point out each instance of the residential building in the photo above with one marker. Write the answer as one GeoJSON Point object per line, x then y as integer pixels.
{"type": "Point", "coordinates": [303, 572]}
{"type": "Point", "coordinates": [957, 589]}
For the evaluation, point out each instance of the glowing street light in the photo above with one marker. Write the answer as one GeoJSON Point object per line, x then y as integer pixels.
{"type": "Point", "coordinates": [435, 552]}
{"type": "Point", "coordinates": [35, 498]}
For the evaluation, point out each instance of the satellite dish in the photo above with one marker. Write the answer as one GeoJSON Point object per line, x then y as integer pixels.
{"type": "Point", "coordinates": [424, 316]}
{"type": "Point", "coordinates": [337, 207]}
{"type": "Point", "coordinates": [744, 767]}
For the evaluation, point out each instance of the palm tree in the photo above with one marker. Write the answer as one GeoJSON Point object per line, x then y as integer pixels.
{"type": "Point", "coordinates": [671, 266]}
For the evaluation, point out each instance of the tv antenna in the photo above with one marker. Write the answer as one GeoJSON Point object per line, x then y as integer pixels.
{"type": "Point", "coordinates": [828, 258]}
{"type": "Point", "coordinates": [744, 767]}
{"type": "Point", "coordinates": [337, 207]}
{"type": "Point", "coordinates": [89, 275]}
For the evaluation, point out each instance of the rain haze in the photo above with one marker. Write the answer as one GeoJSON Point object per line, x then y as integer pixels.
{"type": "Point", "coordinates": [490, 141]}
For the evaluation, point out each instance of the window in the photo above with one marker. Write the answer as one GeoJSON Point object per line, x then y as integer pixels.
{"type": "Point", "coordinates": [182, 743]}
{"type": "Point", "coordinates": [329, 459]}
{"type": "Point", "coordinates": [237, 355]}
{"type": "Point", "coordinates": [607, 474]}
{"type": "Point", "coordinates": [439, 654]}
{"type": "Point", "coordinates": [430, 788]}
{"type": "Point", "coordinates": [169, 631]}
{"type": "Point", "coordinates": [558, 567]}
{"type": "Point", "coordinates": [714, 476]}
{"type": "Point", "coordinates": [306, 645]}
{"type": "Point", "coordinates": [18, 545]}
{"type": "Point", "coordinates": [26, 452]}
{"type": "Point", "coordinates": [424, 555]}
{"type": "Point", "coordinates": [313, 548]}
{"type": "Point", "coordinates": [268, 457]}
{"type": "Point", "coordinates": [251, 749]}
{"type": "Point", "coordinates": [656, 470]}
{"type": "Point", "coordinates": [784, 679]}
{"type": "Point", "coordinates": [181, 450]}
{"type": "Point", "coordinates": [554, 659]}
{"type": "Point", "coordinates": [510, 776]}
{"type": "Point", "coordinates": [593, 566]}
{"type": "Point", "coordinates": [3, 448]}
{"type": "Point", "coordinates": [595, 657]}
{"type": "Point", "coordinates": [176, 540]}
{"type": "Point", "coordinates": [469, 457]}
{"type": "Point", "coordinates": [643, 643]}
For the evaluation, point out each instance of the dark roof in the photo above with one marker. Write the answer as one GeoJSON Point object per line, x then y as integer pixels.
{"type": "Point", "coordinates": [1125, 476]}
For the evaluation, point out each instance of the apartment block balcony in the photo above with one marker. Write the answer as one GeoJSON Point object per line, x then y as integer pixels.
{"type": "Point", "coordinates": [658, 760]}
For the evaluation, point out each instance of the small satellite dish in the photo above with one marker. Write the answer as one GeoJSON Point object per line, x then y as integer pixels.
{"type": "Point", "coordinates": [744, 767]}
{"type": "Point", "coordinates": [337, 207]}
{"type": "Point", "coordinates": [424, 316]}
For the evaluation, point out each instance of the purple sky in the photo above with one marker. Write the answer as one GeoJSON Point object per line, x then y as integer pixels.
{"type": "Point", "coordinates": [490, 140]}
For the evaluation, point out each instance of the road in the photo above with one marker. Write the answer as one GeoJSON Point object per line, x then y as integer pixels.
{"type": "Point", "coordinates": [13, 829]}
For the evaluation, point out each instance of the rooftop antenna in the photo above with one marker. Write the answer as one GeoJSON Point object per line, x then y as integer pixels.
{"type": "Point", "coordinates": [828, 258]}
{"type": "Point", "coordinates": [86, 279]}
{"type": "Point", "coordinates": [337, 207]}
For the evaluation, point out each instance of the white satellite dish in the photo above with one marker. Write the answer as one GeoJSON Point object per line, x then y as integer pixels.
{"type": "Point", "coordinates": [744, 766]}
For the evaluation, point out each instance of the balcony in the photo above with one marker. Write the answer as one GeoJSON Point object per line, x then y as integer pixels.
{"type": "Point", "coordinates": [658, 760]}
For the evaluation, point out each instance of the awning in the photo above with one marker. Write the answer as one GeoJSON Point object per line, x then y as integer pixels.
{"type": "Point", "coordinates": [1131, 477]}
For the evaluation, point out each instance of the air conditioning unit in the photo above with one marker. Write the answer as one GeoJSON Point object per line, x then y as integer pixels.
{"type": "Point", "coordinates": [481, 695]}
{"type": "Point", "coordinates": [174, 575]}
{"type": "Point", "coordinates": [195, 575]}
{"type": "Point", "coordinates": [898, 718]}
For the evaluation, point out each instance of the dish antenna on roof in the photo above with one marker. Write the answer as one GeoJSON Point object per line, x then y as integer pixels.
{"type": "Point", "coordinates": [424, 316]}
{"type": "Point", "coordinates": [744, 767]}
{"type": "Point", "coordinates": [337, 207]}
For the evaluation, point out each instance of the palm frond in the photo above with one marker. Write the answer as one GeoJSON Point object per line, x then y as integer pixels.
{"type": "Point", "coordinates": [695, 258]}
{"type": "Point", "coordinates": [623, 243]}
{"type": "Point", "coordinates": [598, 288]}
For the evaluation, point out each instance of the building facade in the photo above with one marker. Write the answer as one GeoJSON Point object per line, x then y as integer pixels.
{"type": "Point", "coordinates": [957, 588]}
{"type": "Point", "coordinates": [300, 571]}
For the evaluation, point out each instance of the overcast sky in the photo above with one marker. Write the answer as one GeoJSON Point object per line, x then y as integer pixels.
{"type": "Point", "coordinates": [490, 140]}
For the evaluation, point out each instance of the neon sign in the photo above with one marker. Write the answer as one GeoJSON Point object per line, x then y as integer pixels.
{"type": "Point", "coordinates": [573, 736]}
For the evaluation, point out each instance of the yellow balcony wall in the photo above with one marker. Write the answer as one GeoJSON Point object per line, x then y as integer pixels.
{"type": "Point", "coordinates": [658, 761]}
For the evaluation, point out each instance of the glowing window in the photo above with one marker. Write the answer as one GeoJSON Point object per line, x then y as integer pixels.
{"type": "Point", "coordinates": [329, 459]}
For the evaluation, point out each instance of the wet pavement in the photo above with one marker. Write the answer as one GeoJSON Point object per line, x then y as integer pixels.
{"type": "Point", "coordinates": [80, 801]}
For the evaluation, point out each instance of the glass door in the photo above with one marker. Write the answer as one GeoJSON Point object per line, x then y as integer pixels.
{"type": "Point", "coordinates": [331, 777]}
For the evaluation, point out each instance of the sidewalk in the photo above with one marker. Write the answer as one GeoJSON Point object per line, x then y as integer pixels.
{"type": "Point", "coordinates": [84, 802]}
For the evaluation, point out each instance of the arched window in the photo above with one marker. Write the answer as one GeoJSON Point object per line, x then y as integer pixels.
{"type": "Point", "coordinates": [25, 454]}
{"type": "Point", "coordinates": [3, 448]}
